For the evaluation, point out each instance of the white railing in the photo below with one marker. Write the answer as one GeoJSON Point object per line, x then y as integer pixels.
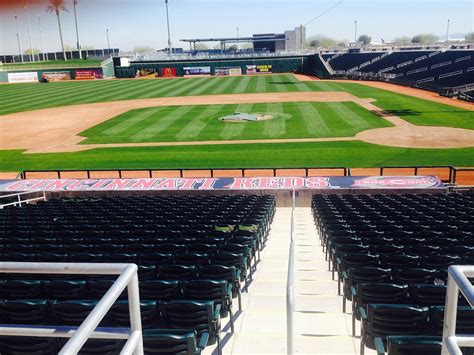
{"type": "Point", "coordinates": [17, 198]}
{"type": "Point", "coordinates": [78, 336]}
{"type": "Point", "coordinates": [290, 292]}
{"type": "Point", "coordinates": [457, 281]}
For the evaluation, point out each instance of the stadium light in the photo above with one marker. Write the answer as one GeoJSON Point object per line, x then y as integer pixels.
{"type": "Point", "coordinates": [108, 42]}
{"type": "Point", "coordinates": [32, 57]}
{"type": "Point", "coordinates": [41, 36]}
{"type": "Point", "coordinates": [447, 32]}
{"type": "Point", "coordinates": [78, 45]}
{"type": "Point", "coordinates": [18, 38]}
{"type": "Point", "coordinates": [168, 23]}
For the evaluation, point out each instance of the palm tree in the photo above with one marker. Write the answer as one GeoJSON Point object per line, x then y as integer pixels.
{"type": "Point", "coordinates": [56, 6]}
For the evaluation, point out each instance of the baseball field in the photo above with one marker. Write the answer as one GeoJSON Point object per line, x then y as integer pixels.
{"type": "Point", "coordinates": [174, 123]}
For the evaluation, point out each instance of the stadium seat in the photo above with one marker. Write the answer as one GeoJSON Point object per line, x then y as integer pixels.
{"type": "Point", "coordinates": [174, 341]}
{"type": "Point", "coordinates": [409, 345]}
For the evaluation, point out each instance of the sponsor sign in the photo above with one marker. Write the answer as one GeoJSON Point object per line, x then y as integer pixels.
{"type": "Point", "coordinates": [146, 73]}
{"type": "Point", "coordinates": [24, 77]}
{"type": "Point", "coordinates": [56, 75]}
{"type": "Point", "coordinates": [188, 71]}
{"type": "Point", "coordinates": [88, 74]}
{"type": "Point", "coordinates": [168, 72]}
{"type": "Point", "coordinates": [259, 69]}
{"type": "Point", "coordinates": [263, 183]}
{"type": "Point", "coordinates": [228, 71]}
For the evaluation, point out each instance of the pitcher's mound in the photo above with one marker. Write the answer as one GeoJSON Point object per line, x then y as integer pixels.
{"type": "Point", "coordinates": [245, 117]}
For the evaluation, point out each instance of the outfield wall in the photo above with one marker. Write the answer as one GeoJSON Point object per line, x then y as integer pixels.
{"type": "Point", "coordinates": [278, 65]}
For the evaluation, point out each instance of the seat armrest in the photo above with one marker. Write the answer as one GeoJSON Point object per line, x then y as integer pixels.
{"type": "Point", "coordinates": [363, 313]}
{"type": "Point", "coordinates": [344, 275]}
{"type": "Point", "coordinates": [379, 347]}
{"type": "Point", "coordinates": [217, 312]}
{"type": "Point", "coordinates": [353, 291]}
{"type": "Point", "coordinates": [203, 341]}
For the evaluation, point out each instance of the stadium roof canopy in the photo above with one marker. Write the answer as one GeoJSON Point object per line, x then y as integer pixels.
{"type": "Point", "coordinates": [255, 38]}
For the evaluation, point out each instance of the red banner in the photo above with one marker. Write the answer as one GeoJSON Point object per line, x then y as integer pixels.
{"type": "Point", "coordinates": [168, 72]}
{"type": "Point", "coordinates": [260, 183]}
{"type": "Point", "coordinates": [88, 74]}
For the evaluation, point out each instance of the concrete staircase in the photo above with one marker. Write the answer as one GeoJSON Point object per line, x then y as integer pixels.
{"type": "Point", "coordinates": [320, 325]}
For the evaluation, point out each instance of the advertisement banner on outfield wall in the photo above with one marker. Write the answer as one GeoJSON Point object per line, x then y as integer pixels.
{"type": "Point", "coordinates": [24, 77]}
{"type": "Point", "coordinates": [228, 71]}
{"type": "Point", "coordinates": [57, 75]}
{"type": "Point", "coordinates": [168, 72]}
{"type": "Point", "coordinates": [88, 74]}
{"type": "Point", "coordinates": [259, 69]}
{"type": "Point", "coordinates": [254, 183]}
{"type": "Point", "coordinates": [189, 71]}
{"type": "Point", "coordinates": [146, 73]}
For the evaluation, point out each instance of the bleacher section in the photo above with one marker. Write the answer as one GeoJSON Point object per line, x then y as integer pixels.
{"type": "Point", "coordinates": [431, 70]}
{"type": "Point", "coordinates": [193, 254]}
{"type": "Point", "coordinates": [348, 61]}
{"type": "Point", "coordinates": [389, 254]}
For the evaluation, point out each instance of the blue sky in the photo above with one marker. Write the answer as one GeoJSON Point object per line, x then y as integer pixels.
{"type": "Point", "coordinates": [143, 22]}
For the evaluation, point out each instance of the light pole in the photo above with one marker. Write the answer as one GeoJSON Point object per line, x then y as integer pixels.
{"type": "Point", "coordinates": [41, 36]}
{"type": "Point", "coordinates": [238, 42]}
{"type": "Point", "coordinates": [108, 42]}
{"type": "Point", "coordinates": [18, 38]}
{"type": "Point", "coordinates": [355, 31]}
{"type": "Point", "coordinates": [168, 23]}
{"type": "Point", "coordinates": [32, 57]}
{"type": "Point", "coordinates": [77, 30]}
{"type": "Point", "coordinates": [447, 32]}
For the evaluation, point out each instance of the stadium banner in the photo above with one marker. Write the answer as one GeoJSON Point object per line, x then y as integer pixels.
{"type": "Point", "coordinates": [24, 77]}
{"type": "Point", "coordinates": [56, 75]}
{"type": "Point", "coordinates": [168, 72]}
{"type": "Point", "coordinates": [189, 71]}
{"type": "Point", "coordinates": [259, 69]}
{"type": "Point", "coordinates": [254, 183]}
{"type": "Point", "coordinates": [146, 73]}
{"type": "Point", "coordinates": [88, 74]}
{"type": "Point", "coordinates": [228, 71]}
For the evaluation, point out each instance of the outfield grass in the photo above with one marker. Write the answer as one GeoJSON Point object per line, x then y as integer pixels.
{"type": "Point", "coordinates": [25, 97]}
{"type": "Point", "coordinates": [350, 154]}
{"type": "Point", "coordinates": [201, 123]}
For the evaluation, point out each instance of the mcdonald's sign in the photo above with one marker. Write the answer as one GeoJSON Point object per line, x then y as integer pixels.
{"type": "Point", "coordinates": [168, 72]}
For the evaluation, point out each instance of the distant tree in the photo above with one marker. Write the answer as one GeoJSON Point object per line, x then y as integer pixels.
{"type": "Point", "coordinates": [321, 41]}
{"type": "Point", "coordinates": [364, 39]}
{"type": "Point", "coordinates": [31, 51]}
{"type": "Point", "coordinates": [232, 48]}
{"type": "Point", "coordinates": [469, 37]}
{"type": "Point", "coordinates": [57, 6]}
{"type": "Point", "coordinates": [201, 46]}
{"type": "Point", "coordinates": [69, 48]}
{"type": "Point", "coordinates": [425, 38]}
{"type": "Point", "coordinates": [402, 41]}
{"type": "Point", "coordinates": [143, 49]}
{"type": "Point", "coordinates": [341, 44]}
{"type": "Point", "coordinates": [87, 48]}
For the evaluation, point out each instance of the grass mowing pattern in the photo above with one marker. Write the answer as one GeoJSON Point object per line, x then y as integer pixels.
{"type": "Point", "coordinates": [25, 97]}
{"type": "Point", "coordinates": [350, 154]}
{"type": "Point", "coordinates": [200, 123]}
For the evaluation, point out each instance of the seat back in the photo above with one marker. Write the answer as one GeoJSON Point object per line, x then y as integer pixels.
{"type": "Point", "coordinates": [170, 341]}
{"type": "Point", "coordinates": [414, 344]}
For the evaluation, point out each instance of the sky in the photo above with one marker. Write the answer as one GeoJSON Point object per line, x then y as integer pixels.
{"type": "Point", "coordinates": [134, 23]}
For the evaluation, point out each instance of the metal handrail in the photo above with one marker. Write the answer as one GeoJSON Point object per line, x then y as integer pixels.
{"type": "Point", "coordinates": [457, 281]}
{"type": "Point", "coordinates": [290, 292]}
{"type": "Point", "coordinates": [19, 201]}
{"type": "Point", "coordinates": [128, 279]}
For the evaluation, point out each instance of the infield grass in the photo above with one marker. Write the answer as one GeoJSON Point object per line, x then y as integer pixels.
{"type": "Point", "coordinates": [350, 154]}
{"type": "Point", "coordinates": [201, 123]}
{"type": "Point", "coordinates": [26, 97]}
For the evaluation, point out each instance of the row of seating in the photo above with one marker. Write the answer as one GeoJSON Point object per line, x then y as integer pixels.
{"type": "Point", "coordinates": [391, 254]}
{"type": "Point", "coordinates": [193, 253]}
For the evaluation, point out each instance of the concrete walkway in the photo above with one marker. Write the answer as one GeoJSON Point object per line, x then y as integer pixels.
{"type": "Point", "coordinates": [320, 325]}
